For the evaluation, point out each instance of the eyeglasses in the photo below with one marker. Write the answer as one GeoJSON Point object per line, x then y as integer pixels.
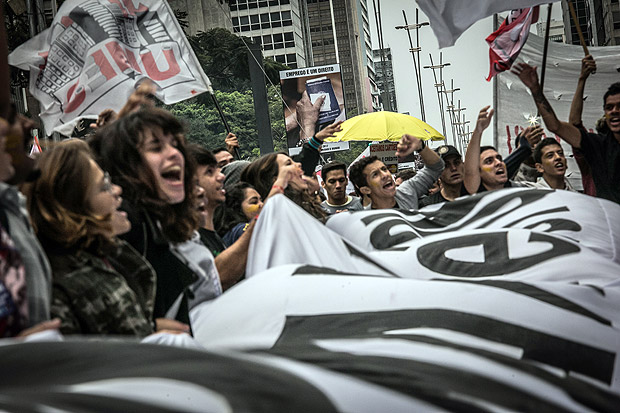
{"type": "Point", "coordinates": [107, 183]}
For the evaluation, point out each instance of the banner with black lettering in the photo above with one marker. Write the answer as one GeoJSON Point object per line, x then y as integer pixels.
{"type": "Point", "coordinates": [518, 234]}
{"type": "Point", "coordinates": [455, 344]}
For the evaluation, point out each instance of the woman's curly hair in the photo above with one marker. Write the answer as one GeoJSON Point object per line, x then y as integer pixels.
{"type": "Point", "coordinates": [57, 200]}
{"type": "Point", "coordinates": [118, 149]}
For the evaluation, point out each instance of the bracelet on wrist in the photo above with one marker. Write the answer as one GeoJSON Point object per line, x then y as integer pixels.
{"type": "Point", "coordinates": [278, 187]}
{"type": "Point", "coordinates": [422, 146]}
{"type": "Point", "coordinates": [315, 143]}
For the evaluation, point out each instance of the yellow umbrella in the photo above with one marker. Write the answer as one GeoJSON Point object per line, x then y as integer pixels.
{"type": "Point", "coordinates": [381, 126]}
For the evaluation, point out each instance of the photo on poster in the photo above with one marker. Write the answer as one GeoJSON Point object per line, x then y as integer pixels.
{"type": "Point", "coordinates": [301, 88]}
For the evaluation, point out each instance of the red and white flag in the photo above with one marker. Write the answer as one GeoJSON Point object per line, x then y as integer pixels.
{"type": "Point", "coordinates": [506, 43]}
{"type": "Point", "coordinates": [96, 52]}
{"type": "Point", "coordinates": [450, 18]}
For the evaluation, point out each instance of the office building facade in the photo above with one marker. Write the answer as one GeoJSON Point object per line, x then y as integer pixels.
{"type": "Point", "coordinates": [340, 33]}
{"type": "Point", "coordinates": [280, 25]}
{"type": "Point", "coordinates": [385, 78]}
{"type": "Point", "coordinates": [599, 21]}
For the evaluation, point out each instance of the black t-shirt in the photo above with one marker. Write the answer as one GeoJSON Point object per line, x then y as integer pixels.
{"type": "Point", "coordinates": [212, 241]}
{"type": "Point", "coordinates": [602, 152]}
{"type": "Point", "coordinates": [437, 198]}
{"type": "Point", "coordinates": [508, 184]}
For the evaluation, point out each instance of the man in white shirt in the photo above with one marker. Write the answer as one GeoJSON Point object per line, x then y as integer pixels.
{"type": "Point", "coordinates": [551, 162]}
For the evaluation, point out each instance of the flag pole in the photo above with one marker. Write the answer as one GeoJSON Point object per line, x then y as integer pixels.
{"type": "Point", "coordinates": [5, 80]}
{"type": "Point", "coordinates": [226, 125]}
{"type": "Point", "coordinates": [495, 94]}
{"type": "Point", "coordinates": [202, 74]}
{"type": "Point", "coordinates": [546, 47]}
{"type": "Point", "coordinates": [578, 27]}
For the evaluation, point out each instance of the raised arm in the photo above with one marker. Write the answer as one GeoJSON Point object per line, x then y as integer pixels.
{"type": "Point", "coordinates": [427, 176]}
{"type": "Point", "coordinates": [408, 144]}
{"type": "Point", "coordinates": [472, 156]}
{"type": "Point", "coordinates": [528, 139]}
{"type": "Point", "coordinates": [310, 156]}
{"type": "Point", "coordinates": [588, 66]}
{"type": "Point", "coordinates": [565, 130]}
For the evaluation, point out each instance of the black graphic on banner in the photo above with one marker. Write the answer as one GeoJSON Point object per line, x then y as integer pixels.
{"type": "Point", "coordinates": [452, 213]}
{"type": "Point", "coordinates": [497, 259]}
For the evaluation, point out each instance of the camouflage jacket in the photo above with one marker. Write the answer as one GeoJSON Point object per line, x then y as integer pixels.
{"type": "Point", "coordinates": [114, 295]}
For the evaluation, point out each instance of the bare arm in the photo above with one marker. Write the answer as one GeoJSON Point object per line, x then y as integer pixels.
{"type": "Point", "coordinates": [231, 262]}
{"type": "Point", "coordinates": [588, 66]}
{"type": "Point", "coordinates": [429, 156]}
{"type": "Point", "coordinates": [565, 130]}
{"type": "Point", "coordinates": [409, 144]}
{"type": "Point", "coordinates": [472, 156]}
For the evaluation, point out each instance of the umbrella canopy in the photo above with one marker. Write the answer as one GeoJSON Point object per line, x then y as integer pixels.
{"type": "Point", "coordinates": [381, 126]}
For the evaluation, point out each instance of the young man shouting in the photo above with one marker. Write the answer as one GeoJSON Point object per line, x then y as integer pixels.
{"type": "Point", "coordinates": [372, 178]}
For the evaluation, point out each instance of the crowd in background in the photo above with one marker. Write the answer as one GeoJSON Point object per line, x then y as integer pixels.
{"type": "Point", "coordinates": [125, 232]}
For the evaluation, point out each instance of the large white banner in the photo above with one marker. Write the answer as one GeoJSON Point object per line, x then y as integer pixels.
{"type": "Point", "coordinates": [504, 301]}
{"type": "Point", "coordinates": [509, 299]}
{"type": "Point", "coordinates": [511, 346]}
{"type": "Point", "coordinates": [96, 51]}
{"type": "Point", "coordinates": [509, 234]}
{"type": "Point", "coordinates": [450, 18]}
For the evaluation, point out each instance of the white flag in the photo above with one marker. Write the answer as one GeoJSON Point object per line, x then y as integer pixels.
{"type": "Point", "coordinates": [96, 52]}
{"type": "Point", "coordinates": [450, 18]}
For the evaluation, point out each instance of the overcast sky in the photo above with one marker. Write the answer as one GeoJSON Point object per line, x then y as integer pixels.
{"type": "Point", "coordinates": [468, 58]}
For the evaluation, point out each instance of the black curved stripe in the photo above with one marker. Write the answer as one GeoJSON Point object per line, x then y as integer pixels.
{"type": "Point", "coordinates": [536, 345]}
{"type": "Point", "coordinates": [432, 383]}
{"type": "Point", "coordinates": [538, 294]}
{"type": "Point", "coordinates": [248, 386]}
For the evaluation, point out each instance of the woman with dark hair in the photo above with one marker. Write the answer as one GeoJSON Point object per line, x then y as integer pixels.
{"type": "Point", "coordinates": [278, 173]}
{"type": "Point", "coordinates": [100, 285]}
{"type": "Point", "coordinates": [145, 153]}
{"type": "Point", "coordinates": [232, 218]}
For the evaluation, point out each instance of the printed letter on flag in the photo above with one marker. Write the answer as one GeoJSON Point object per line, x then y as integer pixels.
{"type": "Point", "coordinates": [97, 51]}
{"type": "Point", "coordinates": [506, 43]}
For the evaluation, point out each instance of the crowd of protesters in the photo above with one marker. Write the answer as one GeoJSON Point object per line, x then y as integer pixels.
{"type": "Point", "coordinates": [125, 232]}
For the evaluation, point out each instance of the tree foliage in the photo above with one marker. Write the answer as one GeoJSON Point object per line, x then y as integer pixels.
{"type": "Point", "coordinates": [224, 58]}
{"type": "Point", "coordinates": [205, 127]}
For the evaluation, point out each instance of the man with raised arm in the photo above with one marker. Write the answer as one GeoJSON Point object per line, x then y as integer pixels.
{"type": "Point", "coordinates": [602, 151]}
{"type": "Point", "coordinates": [485, 169]}
{"type": "Point", "coordinates": [372, 178]}
{"type": "Point", "coordinates": [588, 67]}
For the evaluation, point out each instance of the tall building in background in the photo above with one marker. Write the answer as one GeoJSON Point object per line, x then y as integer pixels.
{"type": "Point", "coordinates": [611, 18]}
{"type": "Point", "coordinates": [203, 15]}
{"type": "Point", "coordinates": [586, 23]}
{"type": "Point", "coordinates": [599, 21]}
{"type": "Point", "coordinates": [340, 33]}
{"type": "Point", "coordinates": [280, 25]}
{"type": "Point", "coordinates": [556, 30]}
{"type": "Point", "coordinates": [385, 78]}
